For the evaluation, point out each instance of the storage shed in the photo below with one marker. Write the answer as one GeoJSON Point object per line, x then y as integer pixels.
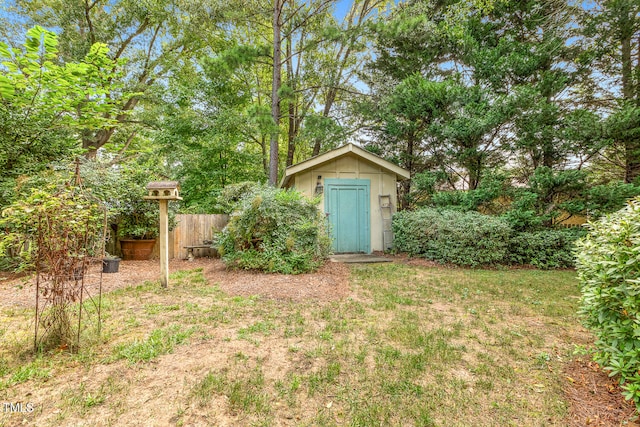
{"type": "Point", "coordinates": [358, 193]}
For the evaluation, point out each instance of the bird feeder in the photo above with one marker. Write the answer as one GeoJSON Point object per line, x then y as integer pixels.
{"type": "Point", "coordinates": [163, 191]}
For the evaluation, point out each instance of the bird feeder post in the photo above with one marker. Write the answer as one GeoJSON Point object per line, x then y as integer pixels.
{"type": "Point", "coordinates": [164, 191]}
{"type": "Point", "coordinates": [164, 243]}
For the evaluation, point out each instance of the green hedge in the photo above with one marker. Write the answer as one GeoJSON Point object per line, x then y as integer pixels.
{"type": "Point", "coordinates": [545, 249]}
{"type": "Point", "coordinates": [461, 238]}
{"type": "Point", "coordinates": [275, 231]}
{"type": "Point", "coordinates": [608, 264]}
{"type": "Point", "coordinates": [472, 239]}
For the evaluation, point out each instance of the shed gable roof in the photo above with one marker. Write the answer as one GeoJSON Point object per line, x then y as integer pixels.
{"type": "Point", "coordinates": [339, 152]}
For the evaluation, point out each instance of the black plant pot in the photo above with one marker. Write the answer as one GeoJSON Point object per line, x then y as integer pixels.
{"type": "Point", "coordinates": [110, 265]}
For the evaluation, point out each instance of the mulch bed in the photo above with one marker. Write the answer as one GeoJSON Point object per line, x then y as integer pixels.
{"type": "Point", "coordinates": [331, 282]}
{"type": "Point", "coordinates": [594, 398]}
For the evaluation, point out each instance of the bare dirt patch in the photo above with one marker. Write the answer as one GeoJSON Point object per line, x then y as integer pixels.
{"type": "Point", "coordinates": [162, 389]}
{"type": "Point", "coordinates": [327, 284]}
{"type": "Point", "coordinates": [20, 291]}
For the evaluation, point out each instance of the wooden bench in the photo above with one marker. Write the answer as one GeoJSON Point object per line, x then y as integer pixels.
{"type": "Point", "coordinates": [205, 245]}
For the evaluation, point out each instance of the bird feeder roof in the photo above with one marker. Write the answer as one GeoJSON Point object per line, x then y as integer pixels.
{"type": "Point", "coordinates": [163, 185]}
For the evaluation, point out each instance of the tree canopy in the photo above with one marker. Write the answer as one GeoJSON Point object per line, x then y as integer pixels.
{"type": "Point", "coordinates": [215, 93]}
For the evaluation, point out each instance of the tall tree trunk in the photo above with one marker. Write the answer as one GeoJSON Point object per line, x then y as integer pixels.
{"type": "Point", "coordinates": [265, 160]}
{"type": "Point", "coordinates": [627, 82]}
{"type": "Point", "coordinates": [343, 55]}
{"type": "Point", "coordinates": [332, 92]}
{"type": "Point", "coordinates": [631, 145]}
{"type": "Point", "coordinates": [275, 97]}
{"type": "Point", "coordinates": [632, 161]}
{"type": "Point", "coordinates": [291, 134]}
{"type": "Point", "coordinates": [474, 170]}
{"type": "Point", "coordinates": [637, 73]}
{"type": "Point", "coordinates": [549, 157]}
{"type": "Point", "coordinates": [403, 199]}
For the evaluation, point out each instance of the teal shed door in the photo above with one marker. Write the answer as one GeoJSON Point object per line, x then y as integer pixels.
{"type": "Point", "coordinates": [346, 202]}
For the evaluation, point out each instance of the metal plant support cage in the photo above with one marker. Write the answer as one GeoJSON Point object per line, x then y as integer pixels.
{"type": "Point", "coordinates": [68, 276]}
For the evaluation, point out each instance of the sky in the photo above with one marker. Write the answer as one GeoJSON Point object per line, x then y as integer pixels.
{"type": "Point", "coordinates": [342, 7]}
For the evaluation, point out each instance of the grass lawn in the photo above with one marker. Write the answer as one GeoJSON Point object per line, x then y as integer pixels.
{"type": "Point", "coordinates": [411, 346]}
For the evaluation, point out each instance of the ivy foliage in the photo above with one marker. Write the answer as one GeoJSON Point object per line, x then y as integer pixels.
{"type": "Point", "coordinates": [609, 272]}
{"type": "Point", "coordinates": [275, 230]}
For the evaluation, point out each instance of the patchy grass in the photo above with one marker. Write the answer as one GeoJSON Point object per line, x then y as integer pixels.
{"type": "Point", "coordinates": [159, 342]}
{"type": "Point", "coordinates": [412, 346]}
{"type": "Point", "coordinates": [244, 390]}
{"type": "Point", "coordinates": [34, 370]}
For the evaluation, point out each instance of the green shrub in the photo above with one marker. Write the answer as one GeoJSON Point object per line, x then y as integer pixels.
{"type": "Point", "coordinates": [450, 200]}
{"type": "Point", "coordinates": [488, 198]}
{"type": "Point", "coordinates": [545, 249]}
{"type": "Point", "coordinates": [549, 194]}
{"type": "Point", "coordinates": [62, 222]}
{"type": "Point", "coordinates": [462, 238]}
{"type": "Point", "coordinates": [230, 196]}
{"type": "Point", "coordinates": [9, 263]}
{"type": "Point", "coordinates": [607, 198]}
{"type": "Point", "coordinates": [608, 265]}
{"type": "Point", "coordinates": [276, 231]}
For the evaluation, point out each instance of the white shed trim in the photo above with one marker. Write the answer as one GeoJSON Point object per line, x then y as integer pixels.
{"type": "Point", "coordinates": [341, 151]}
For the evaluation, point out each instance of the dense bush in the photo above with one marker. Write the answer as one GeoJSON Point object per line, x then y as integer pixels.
{"type": "Point", "coordinates": [607, 198]}
{"type": "Point", "coordinates": [485, 199]}
{"type": "Point", "coordinates": [230, 196]}
{"type": "Point", "coordinates": [548, 195]}
{"type": "Point", "coordinates": [53, 223]}
{"type": "Point", "coordinates": [462, 238]}
{"type": "Point", "coordinates": [609, 272]}
{"type": "Point", "coordinates": [545, 249]}
{"type": "Point", "coordinates": [276, 231]}
{"type": "Point", "coordinates": [470, 239]}
{"type": "Point", "coordinates": [450, 200]}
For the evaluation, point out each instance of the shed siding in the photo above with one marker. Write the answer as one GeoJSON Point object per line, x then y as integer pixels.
{"type": "Point", "coordinates": [353, 167]}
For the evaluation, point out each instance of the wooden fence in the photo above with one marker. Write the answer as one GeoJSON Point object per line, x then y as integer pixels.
{"type": "Point", "coordinates": [566, 220]}
{"type": "Point", "coordinates": [193, 230]}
